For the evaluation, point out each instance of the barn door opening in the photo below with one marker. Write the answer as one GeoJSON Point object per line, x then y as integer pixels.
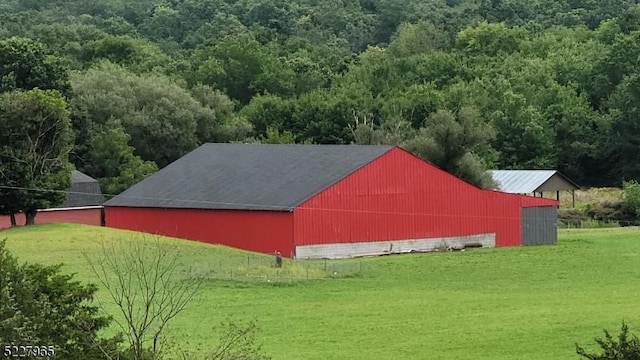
{"type": "Point", "coordinates": [538, 225]}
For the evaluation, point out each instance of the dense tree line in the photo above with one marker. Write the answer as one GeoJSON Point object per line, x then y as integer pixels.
{"type": "Point", "coordinates": [466, 84]}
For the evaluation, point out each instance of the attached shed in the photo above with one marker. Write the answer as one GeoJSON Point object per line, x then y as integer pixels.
{"type": "Point", "coordinates": [323, 201]}
{"type": "Point", "coordinates": [534, 182]}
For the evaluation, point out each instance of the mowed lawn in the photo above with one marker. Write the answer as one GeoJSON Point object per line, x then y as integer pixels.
{"type": "Point", "coordinates": [509, 303]}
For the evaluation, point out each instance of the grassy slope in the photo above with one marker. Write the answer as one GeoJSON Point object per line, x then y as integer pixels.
{"type": "Point", "coordinates": [525, 303]}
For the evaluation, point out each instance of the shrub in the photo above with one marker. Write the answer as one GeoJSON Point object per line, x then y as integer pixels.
{"type": "Point", "coordinates": [626, 347]}
{"type": "Point", "coordinates": [40, 306]}
{"type": "Point", "coordinates": [631, 199]}
{"type": "Point", "coordinates": [611, 210]}
{"type": "Point", "coordinates": [572, 217]}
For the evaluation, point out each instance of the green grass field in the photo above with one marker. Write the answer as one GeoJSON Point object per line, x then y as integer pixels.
{"type": "Point", "coordinates": [509, 303]}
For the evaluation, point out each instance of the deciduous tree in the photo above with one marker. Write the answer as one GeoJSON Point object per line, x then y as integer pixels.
{"type": "Point", "coordinates": [27, 64]}
{"type": "Point", "coordinates": [448, 141]}
{"type": "Point", "coordinates": [161, 117]}
{"type": "Point", "coordinates": [110, 159]}
{"type": "Point", "coordinates": [625, 129]}
{"type": "Point", "coordinates": [145, 284]}
{"type": "Point", "coordinates": [35, 140]}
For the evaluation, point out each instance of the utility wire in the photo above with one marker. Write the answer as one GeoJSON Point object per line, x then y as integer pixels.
{"type": "Point", "coordinates": [245, 206]}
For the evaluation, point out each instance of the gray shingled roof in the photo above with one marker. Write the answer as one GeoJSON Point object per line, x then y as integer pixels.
{"type": "Point", "coordinates": [248, 176]}
{"type": "Point", "coordinates": [84, 191]}
{"type": "Point", "coordinates": [524, 181]}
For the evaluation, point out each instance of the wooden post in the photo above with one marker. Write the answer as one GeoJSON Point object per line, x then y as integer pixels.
{"type": "Point", "coordinates": [573, 198]}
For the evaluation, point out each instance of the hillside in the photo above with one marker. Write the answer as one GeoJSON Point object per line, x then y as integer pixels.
{"type": "Point", "coordinates": [510, 84]}
{"type": "Point", "coordinates": [525, 303]}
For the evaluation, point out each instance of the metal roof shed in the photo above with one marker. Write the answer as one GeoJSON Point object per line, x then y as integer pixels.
{"type": "Point", "coordinates": [534, 182]}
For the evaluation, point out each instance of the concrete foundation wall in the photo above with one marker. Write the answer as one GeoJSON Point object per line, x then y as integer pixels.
{"type": "Point", "coordinates": [349, 250]}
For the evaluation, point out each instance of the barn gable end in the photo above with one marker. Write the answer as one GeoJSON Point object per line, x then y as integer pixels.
{"type": "Point", "coordinates": [399, 201]}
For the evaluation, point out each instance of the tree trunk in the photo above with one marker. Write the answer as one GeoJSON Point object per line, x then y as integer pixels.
{"type": "Point", "coordinates": [31, 217]}
{"type": "Point", "coordinates": [13, 219]}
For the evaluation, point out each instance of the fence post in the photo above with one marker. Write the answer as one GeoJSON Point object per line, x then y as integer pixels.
{"type": "Point", "coordinates": [248, 262]}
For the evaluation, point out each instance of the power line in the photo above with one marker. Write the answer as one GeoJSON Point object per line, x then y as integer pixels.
{"type": "Point", "coordinates": [246, 206]}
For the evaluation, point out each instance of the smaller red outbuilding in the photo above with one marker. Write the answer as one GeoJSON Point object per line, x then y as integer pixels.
{"type": "Point", "coordinates": [83, 205]}
{"type": "Point", "coordinates": [325, 201]}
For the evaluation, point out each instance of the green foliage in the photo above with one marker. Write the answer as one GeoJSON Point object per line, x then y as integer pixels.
{"type": "Point", "coordinates": [422, 37]}
{"type": "Point", "coordinates": [625, 347]}
{"type": "Point", "coordinates": [26, 64]}
{"type": "Point", "coordinates": [274, 136]}
{"type": "Point", "coordinates": [571, 218]}
{"type": "Point", "coordinates": [270, 111]}
{"type": "Point", "coordinates": [448, 141]}
{"type": "Point", "coordinates": [609, 210]}
{"type": "Point", "coordinates": [41, 306]}
{"type": "Point", "coordinates": [523, 136]}
{"type": "Point", "coordinates": [111, 161]}
{"type": "Point", "coordinates": [35, 138]}
{"type": "Point", "coordinates": [625, 129]}
{"type": "Point", "coordinates": [490, 39]}
{"type": "Point", "coordinates": [134, 54]}
{"type": "Point", "coordinates": [231, 65]}
{"type": "Point", "coordinates": [632, 196]}
{"type": "Point", "coordinates": [554, 79]}
{"type": "Point", "coordinates": [154, 110]}
{"type": "Point", "coordinates": [226, 125]}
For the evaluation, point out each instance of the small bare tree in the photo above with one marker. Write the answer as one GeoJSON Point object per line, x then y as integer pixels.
{"type": "Point", "coordinates": [237, 342]}
{"type": "Point", "coordinates": [141, 277]}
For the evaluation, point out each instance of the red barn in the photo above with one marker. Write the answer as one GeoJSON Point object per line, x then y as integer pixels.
{"type": "Point", "coordinates": [325, 201]}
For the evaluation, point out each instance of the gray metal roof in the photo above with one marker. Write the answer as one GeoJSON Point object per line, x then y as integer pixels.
{"type": "Point", "coordinates": [248, 176]}
{"type": "Point", "coordinates": [84, 191]}
{"type": "Point", "coordinates": [526, 181]}
{"type": "Point", "coordinates": [80, 177]}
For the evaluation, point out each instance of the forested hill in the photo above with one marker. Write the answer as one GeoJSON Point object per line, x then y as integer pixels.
{"type": "Point", "coordinates": [466, 84]}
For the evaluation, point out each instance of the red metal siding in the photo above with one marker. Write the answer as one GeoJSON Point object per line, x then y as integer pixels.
{"type": "Point", "coordinates": [74, 216]}
{"type": "Point", "coordinates": [399, 196]}
{"type": "Point", "coordinates": [260, 231]}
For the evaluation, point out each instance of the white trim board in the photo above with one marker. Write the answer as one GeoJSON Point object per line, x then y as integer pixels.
{"type": "Point", "coordinates": [71, 208]}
